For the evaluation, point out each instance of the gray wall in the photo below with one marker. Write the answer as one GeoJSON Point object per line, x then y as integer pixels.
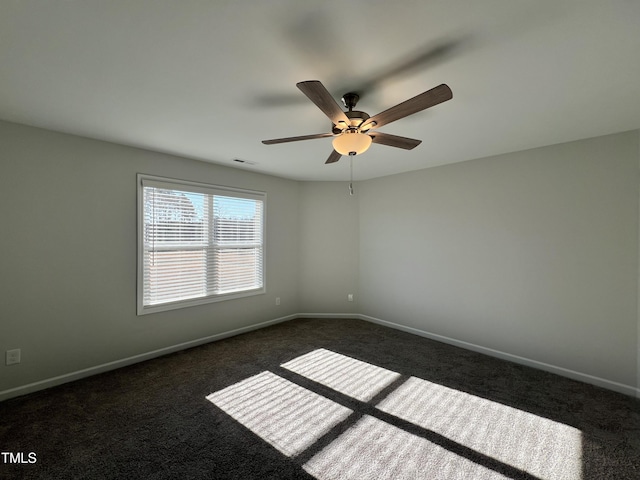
{"type": "Point", "coordinates": [328, 248]}
{"type": "Point", "coordinates": [68, 254]}
{"type": "Point", "coordinates": [533, 254]}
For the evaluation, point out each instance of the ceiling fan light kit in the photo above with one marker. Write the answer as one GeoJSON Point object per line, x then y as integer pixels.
{"type": "Point", "coordinates": [355, 131]}
{"type": "Point", "coordinates": [352, 142]}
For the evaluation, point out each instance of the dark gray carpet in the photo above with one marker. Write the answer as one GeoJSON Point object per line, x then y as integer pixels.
{"type": "Point", "coordinates": [431, 411]}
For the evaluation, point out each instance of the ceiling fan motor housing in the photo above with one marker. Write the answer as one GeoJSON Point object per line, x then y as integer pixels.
{"type": "Point", "coordinates": [356, 118]}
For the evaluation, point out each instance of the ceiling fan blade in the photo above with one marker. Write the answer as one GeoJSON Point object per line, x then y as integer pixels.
{"type": "Point", "coordinates": [334, 157]}
{"type": "Point", "coordinates": [319, 95]}
{"type": "Point", "coordinates": [425, 100]}
{"type": "Point", "coordinates": [394, 140]}
{"type": "Point", "coordinates": [296, 139]}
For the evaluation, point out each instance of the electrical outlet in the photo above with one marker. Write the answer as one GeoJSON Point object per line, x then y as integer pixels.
{"type": "Point", "coordinates": [13, 356]}
{"type": "Point", "coordinates": [277, 300]}
{"type": "Point", "coordinates": [350, 297]}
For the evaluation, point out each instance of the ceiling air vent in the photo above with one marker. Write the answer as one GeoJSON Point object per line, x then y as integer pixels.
{"type": "Point", "coordinates": [245, 162]}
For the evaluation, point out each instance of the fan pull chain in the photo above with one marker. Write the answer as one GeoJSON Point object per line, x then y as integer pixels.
{"type": "Point", "coordinates": [351, 155]}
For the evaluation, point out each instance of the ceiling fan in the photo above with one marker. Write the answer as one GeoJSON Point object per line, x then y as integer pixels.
{"type": "Point", "coordinates": [355, 131]}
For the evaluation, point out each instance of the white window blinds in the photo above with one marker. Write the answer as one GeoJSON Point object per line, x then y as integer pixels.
{"type": "Point", "coordinates": [199, 243]}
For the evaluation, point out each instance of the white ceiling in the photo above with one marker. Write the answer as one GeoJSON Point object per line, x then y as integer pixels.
{"type": "Point", "coordinates": [210, 79]}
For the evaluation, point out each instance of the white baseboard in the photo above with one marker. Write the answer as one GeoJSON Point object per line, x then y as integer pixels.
{"type": "Point", "coordinates": [105, 367]}
{"type": "Point", "coordinates": [565, 372]}
{"type": "Point", "coordinates": [329, 315]}
{"type": "Point", "coordinates": [68, 377]}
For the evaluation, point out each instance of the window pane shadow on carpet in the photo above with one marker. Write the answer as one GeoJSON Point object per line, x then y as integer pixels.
{"type": "Point", "coordinates": [459, 435]}
{"type": "Point", "coordinates": [324, 399]}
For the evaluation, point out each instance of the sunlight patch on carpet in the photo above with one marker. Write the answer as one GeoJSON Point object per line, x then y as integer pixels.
{"type": "Point", "coordinates": [355, 378]}
{"type": "Point", "coordinates": [289, 417]}
{"type": "Point", "coordinates": [546, 449]}
{"type": "Point", "coordinates": [374, 450]}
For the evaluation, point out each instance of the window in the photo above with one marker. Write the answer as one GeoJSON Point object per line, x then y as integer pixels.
{"type": "Point", "coordinates": [197, 243]}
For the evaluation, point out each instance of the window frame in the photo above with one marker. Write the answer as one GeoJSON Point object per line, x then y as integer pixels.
{"type": "Point", "coordinates": [196, 187]}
